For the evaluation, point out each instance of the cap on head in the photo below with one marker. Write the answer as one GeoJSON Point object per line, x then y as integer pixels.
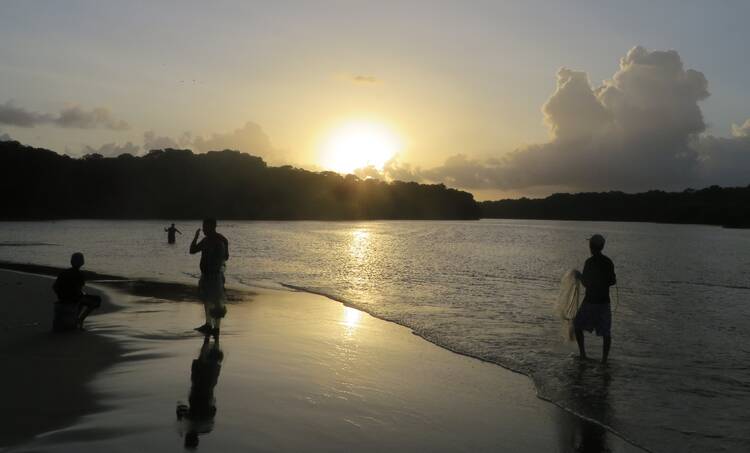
{"type": "Point", "coordinates": [597, 242]}
{"type": "Point", "coordinates": [76, 260]}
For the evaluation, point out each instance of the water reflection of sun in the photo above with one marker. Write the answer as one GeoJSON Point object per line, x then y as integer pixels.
{"type": "Point", "coordinates": [359, 244]}
{"type": "Point", "coordinates": [351, 317]}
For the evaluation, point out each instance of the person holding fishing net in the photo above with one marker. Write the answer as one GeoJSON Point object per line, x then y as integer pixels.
{"type": "Point", "coordinates": [594, 313]}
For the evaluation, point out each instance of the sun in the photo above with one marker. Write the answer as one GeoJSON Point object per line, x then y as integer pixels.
{"type": "Point", "coordinates": [358, 144]}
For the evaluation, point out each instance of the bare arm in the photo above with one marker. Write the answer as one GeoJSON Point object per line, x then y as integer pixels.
{"type": "Point", "coordinates": [195, 246]}
{"type": "Point", "coordinates": [585, 275]}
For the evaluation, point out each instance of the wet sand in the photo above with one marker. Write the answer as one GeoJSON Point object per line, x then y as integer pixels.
{"type": "Point", "coordinates": [44, 375]}
{"type": "Point", "coordinates": [299, 373]}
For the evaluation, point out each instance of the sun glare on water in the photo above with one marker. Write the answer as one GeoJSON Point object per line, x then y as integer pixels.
{"type": "Point", "coordinates": [359, 144]}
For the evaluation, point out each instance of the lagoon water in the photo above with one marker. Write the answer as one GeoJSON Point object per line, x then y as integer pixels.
{"type": "Point", "coordinates": [679, 377]}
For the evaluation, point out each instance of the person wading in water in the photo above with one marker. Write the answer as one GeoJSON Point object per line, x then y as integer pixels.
{"type": "Point", "coordinates": [171, 233]}
{"type": "Point", "coordinates": [214, 250]}
{"type": "Point", "coordinates": [595, 314]}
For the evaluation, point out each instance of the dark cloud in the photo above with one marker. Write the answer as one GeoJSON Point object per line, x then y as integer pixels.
{"type": "Point", "coordinates": [69, 117]}
{"type": "Point", "coordinates": [639, 130]}
{"type": "Point", "coordinates": [76, 117]}
{"type": "Point", "coordinates": [12, 115]}
{"type": "Point", "coordinates": [723, 161]}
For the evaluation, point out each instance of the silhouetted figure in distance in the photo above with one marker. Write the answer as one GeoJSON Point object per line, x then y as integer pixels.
{"type": "Point", "coordinates": [71, 300]}
{"type": "Point", "coordinates": [198, 415]}
{"type": "Point", "coordinates": [214, 250]}
{"type": "Point", "coordinates": [595, 313]}
{"type": "Point", "coordinates": [170, 233]}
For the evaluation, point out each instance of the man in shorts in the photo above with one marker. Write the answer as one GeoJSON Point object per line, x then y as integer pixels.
{"type": "Point", "coordinates": [595, 314]}
{"type": "Point", "coordinates": [214, 250]}
{"type": "Point", "coordinates": [69, 289]}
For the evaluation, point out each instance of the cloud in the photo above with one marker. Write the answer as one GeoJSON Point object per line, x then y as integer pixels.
{"type": "Point", "coordinates": [5, 138]}
{"type": "Point", "coordinates": [12, 115]}
{"type": "Point", "coordinates": [741, 131]}
{"type": "Point", "coordinates": [153, 141]}
{"type": "Point", "coordinates": [69, 117]}
{"type": "Point", "coordinates": [724, 161]}
{"type": "Point", "coordinates": [112, 149]}
{"type": "Point", "coordinates": [76, 117]}
{"type": "Point", "coordinates": [639, 130]}
{"type": "Point", "coordinates": [250, 138]}
{"type": "Point", "coordinates": [364, 79]}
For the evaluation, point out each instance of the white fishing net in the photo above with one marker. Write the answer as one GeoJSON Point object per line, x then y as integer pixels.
{"type": "Point", "coordinates": [568, 302]}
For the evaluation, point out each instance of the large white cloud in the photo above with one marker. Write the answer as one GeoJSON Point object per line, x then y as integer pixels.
{"type": "Point", "coordinates": [639, 130]}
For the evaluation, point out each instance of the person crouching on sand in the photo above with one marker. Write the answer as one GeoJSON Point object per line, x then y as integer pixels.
{"type": "Point", "coordinates": [214, 250]}
{"type": "Point", "coordinates": [595, 314]}
{"type": "Point", "coordinates": [69, 289]}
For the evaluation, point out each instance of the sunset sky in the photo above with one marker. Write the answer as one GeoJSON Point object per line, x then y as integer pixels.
{"type": "Point", "coordinates": [470, 93]}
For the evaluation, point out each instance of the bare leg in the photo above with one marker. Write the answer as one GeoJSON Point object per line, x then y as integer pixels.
{"type": "Point", "coordinates": [581, 346]}
{"type": "Point", "coordinates": [87, 305]}
{"type": "Point", "coordinates": [209, 319]}
{"type": "Point", "coordinates": [85, 311]}
{"type": "Point", "coordinates": [605, 348]}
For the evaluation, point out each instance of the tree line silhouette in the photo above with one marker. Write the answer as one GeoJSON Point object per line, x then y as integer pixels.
{"type": "Point", "coordinates": [729, 207]}
{"type": "Point", "coordinates": [177, 184]}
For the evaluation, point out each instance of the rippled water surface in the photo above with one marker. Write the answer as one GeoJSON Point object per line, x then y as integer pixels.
{"type": "Point", "coordinates": [680, 373]}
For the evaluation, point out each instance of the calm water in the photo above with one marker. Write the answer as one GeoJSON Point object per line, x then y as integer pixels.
{"type": "Point", "coordinates": [680, 373]}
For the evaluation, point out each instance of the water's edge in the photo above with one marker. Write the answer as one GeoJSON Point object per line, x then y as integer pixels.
{"type": "Point", "coordinates": [135, 286]}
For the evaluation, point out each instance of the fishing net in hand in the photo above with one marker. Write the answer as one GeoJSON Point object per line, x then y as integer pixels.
{"type": "Point", "coordinates": [568, 302]}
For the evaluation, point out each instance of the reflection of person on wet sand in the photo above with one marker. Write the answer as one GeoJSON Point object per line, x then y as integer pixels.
{"type": "Point", "coordinates": [589, 396]}
{"type": "Point", "coordinates": [198, 416]}
{"type": "Point", "coordinates": [170, 233]}
{"type": "Point", "coordinates": [214, 250]}
{"type": "Point", "coordinates": [73, 305]}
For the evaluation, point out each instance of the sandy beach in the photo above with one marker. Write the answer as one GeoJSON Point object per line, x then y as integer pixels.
{"type": "Point", "coordinates": [45, 375]}
{"type": "Point", "coordinates": [299, 372]}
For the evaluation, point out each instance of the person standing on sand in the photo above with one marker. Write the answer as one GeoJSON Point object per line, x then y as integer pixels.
{"type": "Point", "coordinates": [69, 289]}
{"type": "Point", "coordinates": [214, 250]}
{"type": "Point", "coordinates": [170, 233]}
{"type": "Point", "coordinates": [595, 314]}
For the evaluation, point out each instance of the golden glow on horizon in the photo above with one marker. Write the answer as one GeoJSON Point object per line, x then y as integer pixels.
{"type": "Point", "coordinates": [358, 144]}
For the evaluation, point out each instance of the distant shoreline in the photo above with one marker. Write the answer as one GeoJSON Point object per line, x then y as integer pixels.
{"type": "Point", "coordinates": [728, 207]}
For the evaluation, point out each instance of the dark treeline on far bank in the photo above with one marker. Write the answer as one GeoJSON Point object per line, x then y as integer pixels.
{"type": "Point", "coordinates": [712, 206]}
{"type": "Point", "coordinates": [177, 184]}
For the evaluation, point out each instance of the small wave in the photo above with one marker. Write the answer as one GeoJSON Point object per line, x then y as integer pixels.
{"type": "Point", "coordinates": [710, 285]}
{"type": "Point", "coordinates": [438, 343]}
{"type": "Point", "coordinates": [27, 244]}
